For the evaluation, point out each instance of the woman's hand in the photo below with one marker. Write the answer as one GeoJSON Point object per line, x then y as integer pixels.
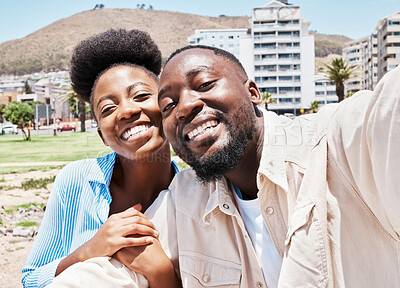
{"type": "Point", "coordinates": [125, 229]}
{"type": "Point", "coordinates": [152, 262]}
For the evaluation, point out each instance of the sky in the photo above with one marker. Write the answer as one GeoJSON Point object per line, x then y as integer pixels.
{"type": "Point", "coordinates": [352, 18]}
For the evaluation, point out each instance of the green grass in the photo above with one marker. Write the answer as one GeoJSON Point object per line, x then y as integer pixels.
{"type": "Point", "coordinates": [27, 224]}
{"type": "Point", "coordinates": [1, 222]}
{"type": "Point", "coordinates": [37, 183]}
{"type": "Point", "coordinates": [25, 169]}
{"type": "Point", "coordinates": [49, 148]}
{"type": "Point", "coordinates": [24, 206]}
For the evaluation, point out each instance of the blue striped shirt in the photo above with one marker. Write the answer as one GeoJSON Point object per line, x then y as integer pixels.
{"type": "Point", "coordinates": [79, 204]}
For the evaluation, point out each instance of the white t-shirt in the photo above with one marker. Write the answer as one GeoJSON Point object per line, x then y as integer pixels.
{"type": "Point", "coordinates": [265, 249]}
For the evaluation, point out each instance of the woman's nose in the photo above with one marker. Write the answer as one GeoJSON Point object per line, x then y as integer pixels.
{"type": "Point", "coordinates": [128, 109]}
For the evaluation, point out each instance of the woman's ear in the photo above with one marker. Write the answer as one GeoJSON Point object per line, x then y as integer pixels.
{"type": "Point", "coordinates": [255, 95]}
{"type": "Point", "coordinates": [101, 136]}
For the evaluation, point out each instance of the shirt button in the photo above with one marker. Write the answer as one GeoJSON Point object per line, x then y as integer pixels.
{"type": "Point", "coordinates": [269, 210]}
{"type": "Point", "coordinates": [259, 284]}
{"type": "Point", "coordinates": [206, 278]}
{"type": "Point", "coordinates": [226, 206]}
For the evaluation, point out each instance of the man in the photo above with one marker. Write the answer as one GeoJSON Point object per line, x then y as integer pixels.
{"type": "Point", "coordinates": [327, 184]}
{"type": "Point", "coordinates": [272, 202]}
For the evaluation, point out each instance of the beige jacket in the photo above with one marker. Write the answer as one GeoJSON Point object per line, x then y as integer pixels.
{"type": "Point", "coordinates": [329, 188]}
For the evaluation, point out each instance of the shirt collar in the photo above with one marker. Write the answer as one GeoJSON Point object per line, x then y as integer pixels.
{"type": "Point", "coordinates": [221, 197]}
{"type": "Point", "coordinates": [272, 163]}
{"type": "Point", "coordinates": [102, 169]}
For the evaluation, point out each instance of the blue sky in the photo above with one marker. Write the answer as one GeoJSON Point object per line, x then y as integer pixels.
{"type": "Point", "coordinates": [352, 18]}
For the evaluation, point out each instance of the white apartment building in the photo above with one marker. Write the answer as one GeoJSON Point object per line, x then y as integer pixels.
{"type": "Point", "coordinates": [227, 39]}
{"type": "Point", "coordinates": [388, 44]}
{"type": "Point", "coordinates": [374, 55]}
{"type": "Point", "coordinates": [325, 90]}
{"type": "Point", "coordinates": [48, 90]}
{"type": "Point", "coordinates": [355, 55]}
{"type": "Point", "coordinates": [283, 53]}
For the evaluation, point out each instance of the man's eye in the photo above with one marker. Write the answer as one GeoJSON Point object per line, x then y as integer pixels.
{"type": "Point", "coordinates": [206, 85]}
{"type": "Point", "coordinates": [169, 106]}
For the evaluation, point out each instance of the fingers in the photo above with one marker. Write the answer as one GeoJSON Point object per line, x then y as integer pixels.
{"type": "Point", "coordinates": [138, 229]}
{"type": "Point", "coordinates": [137, 241]}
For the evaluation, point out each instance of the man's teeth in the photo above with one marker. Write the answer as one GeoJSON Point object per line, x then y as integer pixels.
{"type": "Point", "coordinates": [135, 130]}
{"type": "Point", "coordinates": [202, 128]}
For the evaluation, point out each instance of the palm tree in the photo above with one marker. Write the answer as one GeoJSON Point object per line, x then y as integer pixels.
{"type": "Point", "coordinates": [71, 96]}
{"type": "Point", "coordinates": [314, 106]}
{"type": "Point", "coordinates": [338, 71]}
{"type": "Point", "coordinates": [267, 99]}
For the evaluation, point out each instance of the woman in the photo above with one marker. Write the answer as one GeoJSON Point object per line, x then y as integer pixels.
{"type": "Point", "coordinates": [91, 210]}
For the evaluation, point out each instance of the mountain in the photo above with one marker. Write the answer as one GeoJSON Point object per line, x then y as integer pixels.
{"type": "Point", "coordinates": [49, 49]}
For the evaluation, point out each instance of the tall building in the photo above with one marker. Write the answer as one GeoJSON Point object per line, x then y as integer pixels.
{"type": "Point", "coordinates": [277, 52]}
{"type": "Point", "coordinates": [373, 56]}
{"type": "Point", "coordinates": [388, 43]}
{"type": "Point", "coordinates": [227, 39]}
{"type": "Point", "coordinates": [283, 53]}
{"type": "Point", "coordinates": [355, 54]}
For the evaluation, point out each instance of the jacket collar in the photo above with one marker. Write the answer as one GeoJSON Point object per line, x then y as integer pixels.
{"type": "Point", "coordinates": [272, 163]}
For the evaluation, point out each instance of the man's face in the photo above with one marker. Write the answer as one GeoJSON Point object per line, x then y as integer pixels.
{"type": "Point", "coordinates": [207, 108]}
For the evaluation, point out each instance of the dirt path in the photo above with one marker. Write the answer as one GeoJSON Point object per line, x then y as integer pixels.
{"type": "Point", "coordinates": [14, 245]}
{"type": "Point", "coordinates": [33, 164]}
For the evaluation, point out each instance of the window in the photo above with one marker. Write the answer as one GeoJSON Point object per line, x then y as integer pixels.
{"type": "Point", "coordinates": [318, 93]}
{"type": "Point", "coordinates": [285, 78]}
{"type": "Point", "coordinates": [257, 57]}
{"type": "Point", "coordinates": [284, 67]}
{"type": "Point", "coordinates": [268, 56]}
{"type": "Point", "coordinates": [331, 92]}
{"type": "Point", "coordinates": [285, 100]}
{"type": "Point", "coordinates": [319, 83]}
{"type": "Point", "coordinates": [230, 37]}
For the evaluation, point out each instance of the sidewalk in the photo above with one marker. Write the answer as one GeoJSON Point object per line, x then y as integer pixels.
{"type": "Point", "coordinates": [22, 164]}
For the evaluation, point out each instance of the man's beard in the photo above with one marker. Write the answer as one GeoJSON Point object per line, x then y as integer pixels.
{"type": "Point", "coordinates": [226, 157]}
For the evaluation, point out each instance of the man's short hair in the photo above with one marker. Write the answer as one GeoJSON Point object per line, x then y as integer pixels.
{"type": "Point", "coordinates": [92, 56]}
{"type": "Point", "coordinates": [217, 51]}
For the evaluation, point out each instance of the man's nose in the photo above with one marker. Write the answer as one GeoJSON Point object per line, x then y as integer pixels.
{"type": "Point", "coordinates": [188, 104]}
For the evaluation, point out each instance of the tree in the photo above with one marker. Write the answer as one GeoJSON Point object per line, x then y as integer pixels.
{"type": "Point", "coordinates": [28, 89]}
{"type": "Point", "coordinates": [338, 71]}
{"type": "Point", "coordinates": [71, 96]}
{"type": "Point", "coordinates": [2, 110]}
{"type": "Point", "coordinates": [150, 7]}
{"type": "Point", "coordinates": [267, 99]}
{"type": "Point", "coordinates": [20, 113]}
{"type": "Point", "coordinates": [313, 107]}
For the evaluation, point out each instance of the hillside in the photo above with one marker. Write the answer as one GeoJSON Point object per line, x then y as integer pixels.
{"type": "Point", "coordinates": [49, 48]}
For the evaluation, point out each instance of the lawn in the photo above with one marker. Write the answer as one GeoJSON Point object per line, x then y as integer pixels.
{"type": "Point", "coordinates": [49, 148]}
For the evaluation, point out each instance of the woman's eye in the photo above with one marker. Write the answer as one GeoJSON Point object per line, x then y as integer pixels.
{"type": "Point", "coordinates": [206, 85]}
{"type": "Point", "coordinates": [106, 109]}
{"type": "Point", "coordinates": [142, 96]}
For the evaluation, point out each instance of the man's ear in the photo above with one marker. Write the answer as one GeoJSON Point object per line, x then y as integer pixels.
{"type": "Point", "coordinates": [101, 136]}
{"type": "Point", "coordinates": [255, 95]}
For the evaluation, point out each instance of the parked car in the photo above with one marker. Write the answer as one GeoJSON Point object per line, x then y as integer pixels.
{"type": "Point", "coordinates": [9, 129]}
{"type": "Point", "coordinates": [66, 127]}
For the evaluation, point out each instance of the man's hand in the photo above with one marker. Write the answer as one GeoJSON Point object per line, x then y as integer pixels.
{"type": "Point", "coordinates": [152, 262]}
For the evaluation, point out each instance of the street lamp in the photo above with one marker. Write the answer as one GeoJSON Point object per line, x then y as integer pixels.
{"type": "Point", "coordinates": [52, 96]}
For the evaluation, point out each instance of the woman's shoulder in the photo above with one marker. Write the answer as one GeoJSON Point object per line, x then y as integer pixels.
{"type": "Point", "coordinates": [86, 167]}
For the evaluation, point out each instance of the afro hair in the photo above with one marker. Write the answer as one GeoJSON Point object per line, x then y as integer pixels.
{"type": "Point", "coordinates": [100, 52]}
